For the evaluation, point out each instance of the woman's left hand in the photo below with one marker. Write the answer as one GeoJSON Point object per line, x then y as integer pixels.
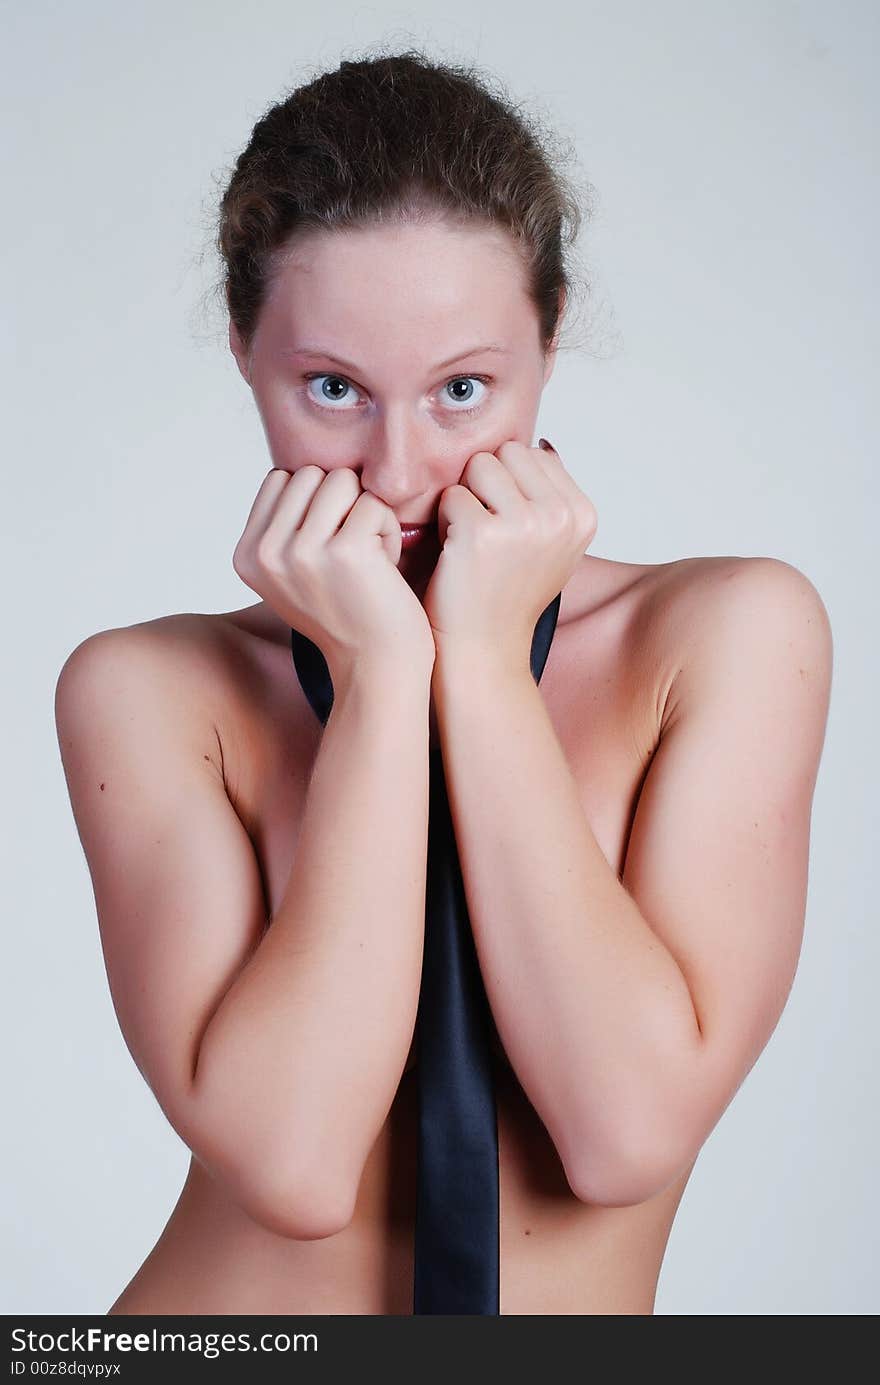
{"type": "Point", "coordinates": [513, 531]}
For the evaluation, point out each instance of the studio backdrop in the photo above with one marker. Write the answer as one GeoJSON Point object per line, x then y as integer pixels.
{"type": "Point", "coordinates": [716, 395]}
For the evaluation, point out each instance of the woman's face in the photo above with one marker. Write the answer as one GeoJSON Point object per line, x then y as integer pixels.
{"type": "Point", "coordinates": [397, 351]}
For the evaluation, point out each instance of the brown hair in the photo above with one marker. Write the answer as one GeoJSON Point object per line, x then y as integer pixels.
{"type": "Point", "coordinates": [397, 136]}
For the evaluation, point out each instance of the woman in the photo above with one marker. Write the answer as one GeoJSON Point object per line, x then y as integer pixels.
{"type": "Point", "coordinates": [633, 832]}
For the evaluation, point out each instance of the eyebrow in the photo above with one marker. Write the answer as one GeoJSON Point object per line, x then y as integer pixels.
{"type": "Point", "coordinates": [310, 350]}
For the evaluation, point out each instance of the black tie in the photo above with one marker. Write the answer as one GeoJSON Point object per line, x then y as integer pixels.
{"type": "Point", "coordinates": [456, 1228]}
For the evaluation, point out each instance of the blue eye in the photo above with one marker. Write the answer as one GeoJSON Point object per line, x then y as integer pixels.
{"type": "Point", "coordinates": [335, 390]}
{"type": "Point", "coordinates": [329, 381]}
{"type": "Point", "coordinates": [465, 380]}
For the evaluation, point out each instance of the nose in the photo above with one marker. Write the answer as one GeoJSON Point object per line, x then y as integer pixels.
{"type": "Point", "coordinates": [399, 464]}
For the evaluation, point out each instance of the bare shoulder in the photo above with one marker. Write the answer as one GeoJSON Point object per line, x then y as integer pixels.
{"type": "Point", "coordinates": [190, 651]}
{"type": "Point", "coordinates": [697, 583]}
{"type": "Point", "coordinates": [187, 642]}
{"type": "Point", "coordinates": [707, 594]}
{"type": "Point", "coordinates": [217, 685]}
{"type": "Point", "coordinates": [171, 662]}
{"type": "Point", "coordinates": [732, 617]}
{"type": "Point", "coordinates": [664, 626]}
{"type": "Point", "coordinates": [686, 588]}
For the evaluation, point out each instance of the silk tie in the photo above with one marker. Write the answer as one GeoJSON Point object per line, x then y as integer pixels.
{"type": "Point", "coordinates": [456, 1267]}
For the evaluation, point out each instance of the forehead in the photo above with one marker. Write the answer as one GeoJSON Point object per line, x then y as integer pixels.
{"type": "Point", "coordinates": [402, 284]}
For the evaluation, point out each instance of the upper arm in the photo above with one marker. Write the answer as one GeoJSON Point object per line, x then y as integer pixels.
{"type": "Point", "coordinates": [177, 886]}
{"type": "Point", "coordinates": [718, 855]}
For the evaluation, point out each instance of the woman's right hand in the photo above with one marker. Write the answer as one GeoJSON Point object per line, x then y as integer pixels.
{"type": "Point", "coordinates": [323, 553]}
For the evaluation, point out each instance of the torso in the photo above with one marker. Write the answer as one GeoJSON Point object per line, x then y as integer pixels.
{"type": "Point", "coordinates": [612, 661]}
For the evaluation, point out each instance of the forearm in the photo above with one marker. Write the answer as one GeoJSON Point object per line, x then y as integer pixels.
{"type": "Point", "coordinates": [593, 1010]}
{"type": "Point", "coordinates": [303, 1057]}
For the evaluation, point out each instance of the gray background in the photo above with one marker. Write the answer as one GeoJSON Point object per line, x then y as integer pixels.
{"type": "Point", "coordinates": [724, 406]}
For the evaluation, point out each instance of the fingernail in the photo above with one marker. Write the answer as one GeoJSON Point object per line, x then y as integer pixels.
{"type": "Point", "coordinates": [547, 446]}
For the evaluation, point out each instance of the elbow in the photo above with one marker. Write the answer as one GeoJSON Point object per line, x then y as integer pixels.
{"type": "Point", "coordinates": [288, 1188]}
{"type": "Point", "coordinates": [277, 1195]}
{"type": "Point", "coordinates": [297, 1208]}
{"type": "Point", "coordinates": [632, 1171]}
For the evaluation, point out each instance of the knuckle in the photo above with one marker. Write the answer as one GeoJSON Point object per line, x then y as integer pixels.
{"type": "Point", "coordinates": [267, 555]}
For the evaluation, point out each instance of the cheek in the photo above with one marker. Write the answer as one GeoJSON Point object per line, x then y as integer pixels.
{"type": "Point", "coordinates": [517, 425]}
{"type": "Point", "coordinates": [296, 438]}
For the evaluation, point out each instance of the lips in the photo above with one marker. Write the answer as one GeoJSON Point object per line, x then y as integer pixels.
{"type": "Point", "coordinates": [413, 535]}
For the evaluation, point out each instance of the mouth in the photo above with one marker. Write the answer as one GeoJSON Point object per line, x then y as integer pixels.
{"type": "Point", "coordinates": [417, 535]}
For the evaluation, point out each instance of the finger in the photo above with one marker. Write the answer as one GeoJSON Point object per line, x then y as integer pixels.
{"type": "Point", "coordinates": [535, 481]}
{"type": "Point", "coordinates": [371, 516]}
{"type": "Point", "coordinates": [553, 466]}
{"type": "Point", "coordinates": [330, 504]}
{"type": "Point", "coordinates": [550, 460]}
{"type": "Point", "coordinates": [290, 501]}
{"type": "Point", "coordinates": [490, 481]}
{"type": "Point", "coordinates": [458, 504]}
{"type": "Point", "coordinates": [265, 500]}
